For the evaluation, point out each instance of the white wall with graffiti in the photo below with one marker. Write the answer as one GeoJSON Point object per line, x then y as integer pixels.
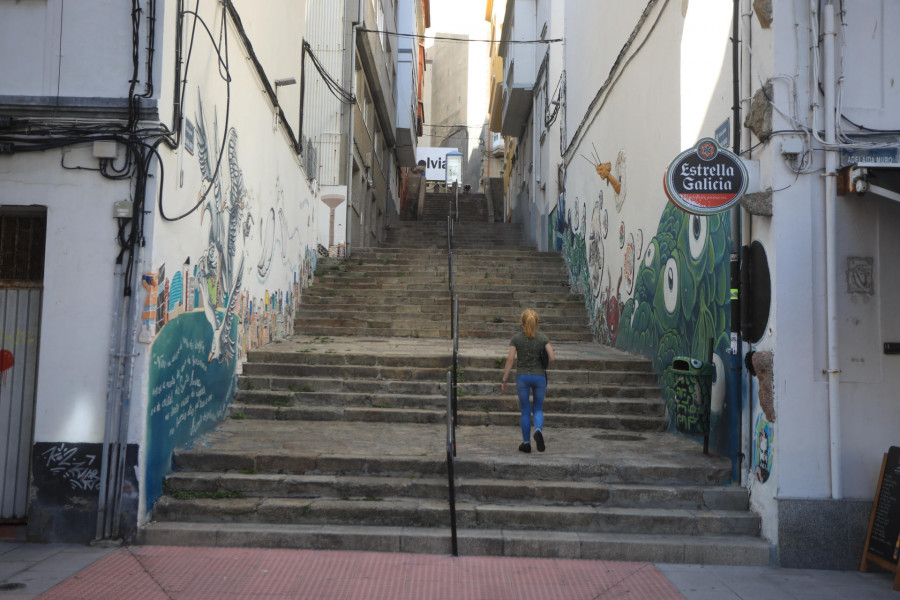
{"type": "Point", "coordinates": [816, 405]}
{"type": "Point", "coordinates": [234, 237]}
{"type": "Point", "coordinates": [655, 278]}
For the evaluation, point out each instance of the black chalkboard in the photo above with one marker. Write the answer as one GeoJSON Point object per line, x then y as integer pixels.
{"type": "Point", "coordinates": [883, 539]}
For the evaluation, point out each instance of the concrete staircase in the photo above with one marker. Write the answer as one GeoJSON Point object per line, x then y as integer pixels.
{"type": "Point", "coordinates": [403, 290]}
{"type": "Point", "coordinates": [465, 208]}
{"type": "Point", "coordinates": [336, 437]}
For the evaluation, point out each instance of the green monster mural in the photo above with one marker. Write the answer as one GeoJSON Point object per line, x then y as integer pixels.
{"type": "Point", "coordinates": [679, 298]}
{"type": "Point", "coordinates": [680, 301]}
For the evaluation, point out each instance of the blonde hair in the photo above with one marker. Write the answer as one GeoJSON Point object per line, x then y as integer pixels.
{"type": "Point", "coordinates": [529, 322]}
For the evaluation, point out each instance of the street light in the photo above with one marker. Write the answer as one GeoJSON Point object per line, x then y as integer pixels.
{"type": "Point", "coordinates": [279, 83]}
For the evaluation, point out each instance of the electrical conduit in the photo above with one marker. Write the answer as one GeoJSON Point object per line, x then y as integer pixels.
{"type": "Point", "coordinates": [833, 370]}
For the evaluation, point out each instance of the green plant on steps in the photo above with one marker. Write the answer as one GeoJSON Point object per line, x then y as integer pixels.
{"type": "Point", "coordinates": [180, 494]}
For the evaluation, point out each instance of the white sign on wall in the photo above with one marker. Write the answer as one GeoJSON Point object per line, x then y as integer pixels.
{"type": "Point", "coordinates": [434, 161]}
{"type": "Point", "coordinates": [454, 167]}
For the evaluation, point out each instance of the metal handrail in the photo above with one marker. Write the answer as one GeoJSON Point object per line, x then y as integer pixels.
{"type": "Point", "coordinates": [452, 382]}
{"type": "Point", "coordinates": [450, 267]}
{"type": "Point", "coordinates": [451, 451]}
{"type": "Point", "coordinates": [454, 399]}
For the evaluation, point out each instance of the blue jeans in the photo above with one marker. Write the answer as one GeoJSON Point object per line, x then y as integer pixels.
{"type": "Point", "coordinates": [526, 385]}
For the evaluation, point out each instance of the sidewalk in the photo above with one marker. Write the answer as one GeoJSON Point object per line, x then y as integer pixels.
{"type": "Point", "coordinates": [70, 572]}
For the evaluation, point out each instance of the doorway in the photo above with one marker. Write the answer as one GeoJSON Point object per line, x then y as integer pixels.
{"type": "Point", "coordinates": [23, 232]}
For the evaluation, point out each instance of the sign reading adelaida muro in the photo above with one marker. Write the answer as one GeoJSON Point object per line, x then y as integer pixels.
{"type": "Point", "coordinates": [706, 179]}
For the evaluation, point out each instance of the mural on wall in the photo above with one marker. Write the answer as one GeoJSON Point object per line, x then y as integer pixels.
{"type": "Point", "coordinates": [680, 301]}
{"type": "Point", "coordinates": [202, 318]}
{"type": "Point", "coordinates": [763, 448]}
{"type": "Point", "coordinates": [663, 297]}
{"type": "Point", "coordinates": [221, 268]}
{"type": "Point", "coordinates": [188, 392]}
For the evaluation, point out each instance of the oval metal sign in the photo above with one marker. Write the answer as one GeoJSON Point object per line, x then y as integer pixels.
{"type": "Point", "coordinates": [706, 179]}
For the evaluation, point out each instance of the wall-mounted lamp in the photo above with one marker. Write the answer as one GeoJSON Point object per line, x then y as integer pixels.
{"type": "Point", "coordinates": [280, 83]}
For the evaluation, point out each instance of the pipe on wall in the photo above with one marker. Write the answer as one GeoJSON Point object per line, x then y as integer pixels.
{"type": "Point", "coordinates": [831, 160]}
{"type": "Point", "coordinates": [747, 219]}
{"type": "Point", "coordinates": [734, 404]}
{"type": "Point", "coordinates": [351, 110]}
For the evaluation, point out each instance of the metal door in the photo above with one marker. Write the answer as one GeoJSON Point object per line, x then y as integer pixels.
{"type": "Point", "coordinates": [22, 238]}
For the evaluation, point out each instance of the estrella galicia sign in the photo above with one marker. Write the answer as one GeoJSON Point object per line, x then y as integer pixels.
{"type": "Point", "coordinates": [706, 179]}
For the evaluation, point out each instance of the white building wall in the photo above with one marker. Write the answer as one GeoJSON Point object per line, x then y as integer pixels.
{"type": "Point", "coordinates": [869, 421]}
{"type": "Point", "coordinates": [51, 48]}
{"type": "Point", "coordinates": [259, 217]}
{"type": "Point", "coordinates": [78, 292]}
{"type": "Point", "coordinates": [323, 115]}
{"type": "Point", "coordinates": [212, 280]}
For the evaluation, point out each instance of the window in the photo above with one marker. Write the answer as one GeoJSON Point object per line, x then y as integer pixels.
{"type": "Point", "coordinates": [379, 22]}
{"type": "Point", "coordinates": [22, 241]}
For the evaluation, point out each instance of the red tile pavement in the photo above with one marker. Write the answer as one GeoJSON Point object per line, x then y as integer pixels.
{"type": "Point", "coordinates": [176, 573]}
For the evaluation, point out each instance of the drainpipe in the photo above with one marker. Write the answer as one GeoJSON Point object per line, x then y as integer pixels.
{"type": "Point", "coordinates": [833, 369]}
{"type": "Point", "coordinates": [105, 503]}
{"type": "Point", "coordinates": [351, 112]}
{"type": "Point", "coordinates": [118, 402]}
{"type": "Point", "coordinates": [734, 405]}
{"type": "Point", "coordinates": [747, 220]}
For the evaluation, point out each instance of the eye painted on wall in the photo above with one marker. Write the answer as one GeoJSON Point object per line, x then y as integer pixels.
{"type": "Point", "coordinates": [648, 256]}
{"type": "Point", "coordinates": [697, 236]}
{"type": "Point", "coordinates": [670, 285]}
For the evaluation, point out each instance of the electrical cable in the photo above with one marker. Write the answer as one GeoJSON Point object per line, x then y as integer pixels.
{"type": "Point", "coordinates": [615, 72]}
{"type": "Point", "coordinates": [453, 39]}
{"type": "Point", "coordinates": [331, 83]}
{"type": "Point", "coordinates": [215, 174]}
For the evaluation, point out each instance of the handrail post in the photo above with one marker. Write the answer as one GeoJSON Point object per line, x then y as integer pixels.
{"type": "Point", "coordinates": [455, 397]}
{"type": "Point", "coordinates": [450, 267]}
{"type": "Point", "coordinates": [451, 451]}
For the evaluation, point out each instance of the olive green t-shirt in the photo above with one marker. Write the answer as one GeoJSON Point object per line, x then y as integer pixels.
{"type": "Point", "coordinates": [528, 361]}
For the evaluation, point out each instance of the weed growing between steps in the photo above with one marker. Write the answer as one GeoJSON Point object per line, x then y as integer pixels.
{"type": "Point", "coordinates": [182, 494]}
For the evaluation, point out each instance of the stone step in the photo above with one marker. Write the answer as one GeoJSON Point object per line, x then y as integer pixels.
{"type": "Point", "coordinates": [512, 297]}
{"type": "Point", "coordinates": [473, 327]}
{"type": "Point", "coordinates": [434, 274]}
{"type": "Point", "coordinates": [434, 387]}
{"type": "Point", "coordinates": [631, 423]}
{"type": "Point", "coordinates": [499, 327]}
{"type": "Point", "coordinates": [419, 450]}
{"type": "Point", "coordinates": [718, 550]}
{"type": "Point", "coordinates": [441, 289]}
{"type": "Point", "coordinates": [301, 353]}
{"type": "Point", "coordinates": [440, 305]}
{"type": "Point", "coordinates": [424, 332]}
{"type": "Point", "coordinates": [267, 485]}
{"type": "Point", "coordinates": [437, 257]}
{"type": "Point", "coordinates": [553, 404]}
{"type": "Point", "coordinates": [417, 512]}
{"type": "Point", "coordinates": [467, 375]}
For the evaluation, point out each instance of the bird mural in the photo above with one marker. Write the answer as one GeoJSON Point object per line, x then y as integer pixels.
{"type": "Point", "coordinates": [219, 277]}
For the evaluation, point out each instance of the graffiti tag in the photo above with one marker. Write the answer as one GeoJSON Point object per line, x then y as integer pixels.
{"type": "Point", "coordinates": [79, 472]}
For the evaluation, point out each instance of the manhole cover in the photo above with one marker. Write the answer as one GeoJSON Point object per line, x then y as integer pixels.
{"type": "Point", "coordinates": [8, 587]}
{"type": "Point", "coordinates": [620, 437]}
